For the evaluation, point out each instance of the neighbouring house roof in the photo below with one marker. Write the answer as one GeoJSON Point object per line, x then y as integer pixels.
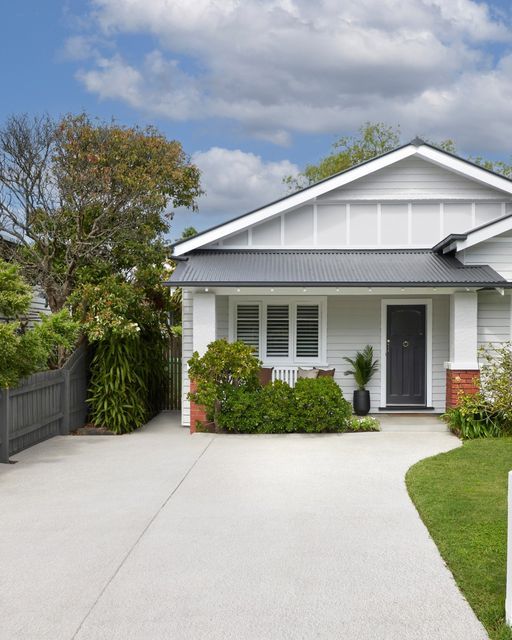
{"type": "Point", "coordinates": [347, 268]}
{"type": "Point", "coordinates": [416, 147]}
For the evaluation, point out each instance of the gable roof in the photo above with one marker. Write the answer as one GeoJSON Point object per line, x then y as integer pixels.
{"type": "Point", "coordinates": [315, 268]}
{"type": "Point", "coordinates": [417, 148]}
{"type": "Point", "coordinates": [461, 241]}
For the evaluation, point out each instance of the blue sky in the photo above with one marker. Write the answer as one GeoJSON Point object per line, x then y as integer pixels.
{"type": "Point", "coordinates": [255, 89]}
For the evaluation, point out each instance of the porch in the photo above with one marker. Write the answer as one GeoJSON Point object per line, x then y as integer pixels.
{"type": "Point", "coordinates": [426, 339]}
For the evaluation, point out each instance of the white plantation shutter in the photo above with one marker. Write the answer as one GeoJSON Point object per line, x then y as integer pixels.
{"type": "Point", "coordinates": [278, 330]}
{"type": "Point", "coordinates": [308, 331]}
{"type": "Point", "coordinates": [248, 325]}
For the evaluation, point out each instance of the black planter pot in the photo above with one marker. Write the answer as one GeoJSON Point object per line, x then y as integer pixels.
{"type": "Point", "coordinates": [361, 402]}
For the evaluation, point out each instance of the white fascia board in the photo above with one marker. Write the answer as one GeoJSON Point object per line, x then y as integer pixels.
{"type": "Point", "coordinates": [480, 235]}
{"type": "Point", "coordinates": [464, 168]}
{"type": "Point", "coordinates": [294, 200]}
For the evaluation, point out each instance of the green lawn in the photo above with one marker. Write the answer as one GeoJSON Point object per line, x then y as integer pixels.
{"type": "Point", "coordinates": [462, 498]}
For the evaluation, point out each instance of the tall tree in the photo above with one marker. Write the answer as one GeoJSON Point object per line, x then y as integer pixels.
{"type": "Point", "coordinates": [84, 199]}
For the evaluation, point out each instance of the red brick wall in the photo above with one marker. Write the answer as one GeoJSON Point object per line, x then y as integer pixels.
{"type": "Point", "coordinates": [197, 412]}
{"type": "Point", "coordinates": [460, 382]}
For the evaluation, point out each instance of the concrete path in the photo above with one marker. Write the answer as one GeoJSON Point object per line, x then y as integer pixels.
{"type": "Point", "coordinates": [160, 535]}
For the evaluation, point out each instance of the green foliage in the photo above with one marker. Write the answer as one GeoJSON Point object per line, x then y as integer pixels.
{"type": "Point", "coordinates": [188, 232]}
{"type": "Point", "coordinates": [15, 294]}
{"type": "Point", "coordinates": [368, 423]}
{"type": "Point", "coordinates": [461, 496]}
{"type": "Point", "coordinates": [86, 199]}
{"type": "Point", "coordinates": [319, 406]}
{"type": "Point", "coordinates": [312, 406]}
{"type": "Point", "coordinates": [373, 139]}
{"type": "Point", "coordinates": [471, 418]}
{"type": "Point", "coordinates": [118, 390]}
{"type": "Point", "coordinates": [224, 365]}
{"type": "Point", "coordinates": [26, 350]}
{"type": "Point", "coordinates": [267, 409]}
{"type": "Point", "coordinates": [126, 323]}
{"type": "Point", "coordinates": [487, 413]}
{"type": "Point", "coordinates": [364, 367]}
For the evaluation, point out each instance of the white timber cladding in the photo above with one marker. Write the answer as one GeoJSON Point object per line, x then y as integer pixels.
{"type": "Point", "coordinates": [496, 252]}
{"type": "Point", "coordinates": [38, 305]}
{"type": "Point", "coordinates": [204, 321]}
{"type": "Point", "coordinates": [186, 352]}
{"type": "Point", "coordinates": [494, 317]}
{"type": "Point", "coordinates": [442, 194]}
{"type": "Point", "coordinates": [463, 331]}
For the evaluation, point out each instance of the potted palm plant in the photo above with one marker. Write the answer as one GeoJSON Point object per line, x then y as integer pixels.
{"type": "Point", "coordinates": [363, 370]}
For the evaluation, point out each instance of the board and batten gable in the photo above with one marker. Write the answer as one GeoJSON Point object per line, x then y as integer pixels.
{"type": "Point", "coordinates": [410, 204]}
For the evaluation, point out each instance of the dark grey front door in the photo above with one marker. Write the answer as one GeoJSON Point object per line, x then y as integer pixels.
{"type": "Point", "coordinates": [406, 361]}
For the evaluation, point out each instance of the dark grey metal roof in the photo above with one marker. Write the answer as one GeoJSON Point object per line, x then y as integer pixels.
{"type": "Point", "coordinates": [349, 268]}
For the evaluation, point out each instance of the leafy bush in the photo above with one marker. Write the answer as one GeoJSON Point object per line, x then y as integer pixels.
{"type": "Point", "coordinates": [224, 366]}
{"type": "Point", "coordinates": [313, 406]}
{"type": "Point", "coordinates": [126, 324]}
{"type": "Point", "coordinates": [319, 406]}
{"type": "Point", "coordinates": [267, 409]}
{"type": "Point", "coordinates": [487, 413]}
{"type": "Point", "coordinates": [25, 350]}
{"type": "Point", "coordinates": [368, 423]}
{"type": "Point", "coordinates": [473, 418]}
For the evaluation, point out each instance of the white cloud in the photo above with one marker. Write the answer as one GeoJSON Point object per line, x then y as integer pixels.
{"type": "Point", "coordinates": [235, 182]}
{"type": "Point", "coordinates": [282, 66]}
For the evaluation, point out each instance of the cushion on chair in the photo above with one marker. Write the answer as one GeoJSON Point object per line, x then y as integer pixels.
{"type": "Point", "coordinates": [265, 375]}
{"type": "Point", "coordinates": [326, 373]}
{"type": "Point", "coordinates": [307, 373]}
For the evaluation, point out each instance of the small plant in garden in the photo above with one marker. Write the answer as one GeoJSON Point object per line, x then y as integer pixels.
{"type": "Point", "coordinates": [364, 367]}
{"type": "Point", "coordinates": [366, 423]}
{"type": "Point", "coordinates": [225, 366]}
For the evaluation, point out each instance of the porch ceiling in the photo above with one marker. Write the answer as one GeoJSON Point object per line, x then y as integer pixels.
{"type": "Point", "coordinates": [356, 268]}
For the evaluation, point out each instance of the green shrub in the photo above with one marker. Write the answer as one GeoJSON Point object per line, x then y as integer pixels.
{"type": "Point", "coordinates": [368, 423]}
{"type": "Point", "coordinates": [25, 350]}
{"type": "Point", "coordinates": [319, 406]}
{"type": "Point", "coordinates": [473, 418]}
{"type": "Point", "coordinates": [267, 409]}
{"type": "Point", "coordinates": [225, 366]}
{"type": "Point", "coordinates": [117, 390]}
{"type": "Point", "coordinates": [487, 413]}
{"type": "Point", "coordinates": [125, 323]}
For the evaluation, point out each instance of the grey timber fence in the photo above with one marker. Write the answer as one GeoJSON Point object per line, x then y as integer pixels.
{"type": "Point", "coordinates": [44, 405]}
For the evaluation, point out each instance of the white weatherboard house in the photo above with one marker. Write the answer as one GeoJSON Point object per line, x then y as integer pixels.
{"type": "Point", "coordinates": [410, 252]}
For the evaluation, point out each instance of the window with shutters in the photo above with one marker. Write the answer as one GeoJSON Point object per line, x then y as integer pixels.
{"type": "Point", "coordinates": [307, 331]}
{"type": "Point", "coordinates": [278, 330]}
{"type": "Point", "coordinates": [248, 325]}
{"type": "Point", "coordinates": [284, 330]}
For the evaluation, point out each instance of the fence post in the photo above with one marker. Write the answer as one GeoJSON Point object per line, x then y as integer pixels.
{"type": "Point", "coordinates": [5, 418]}
{"type": "Point", "coordinates": [66, 403]}
{"type": "Point", "coordinates": [508, 595]}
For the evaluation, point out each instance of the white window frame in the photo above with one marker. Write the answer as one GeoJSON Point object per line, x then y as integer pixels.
{"type": "Point", "coordinates": [292, 301]}
{"type": "Point", "coordinates": [427, 302]}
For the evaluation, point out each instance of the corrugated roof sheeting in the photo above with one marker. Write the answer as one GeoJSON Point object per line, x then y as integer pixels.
{"type": "Point", "coordinates": [349, 268]}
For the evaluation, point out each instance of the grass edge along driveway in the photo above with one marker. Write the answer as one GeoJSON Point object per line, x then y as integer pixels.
{"type": "Point", "coordinates": [461, 497]}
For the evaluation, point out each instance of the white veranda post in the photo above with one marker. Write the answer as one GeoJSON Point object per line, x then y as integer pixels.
{"type": "Point", "coordinates": [203, 318]}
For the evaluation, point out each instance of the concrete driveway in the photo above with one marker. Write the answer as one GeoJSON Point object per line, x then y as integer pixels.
{"type": "Point", "coordinates": [163, 535]}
